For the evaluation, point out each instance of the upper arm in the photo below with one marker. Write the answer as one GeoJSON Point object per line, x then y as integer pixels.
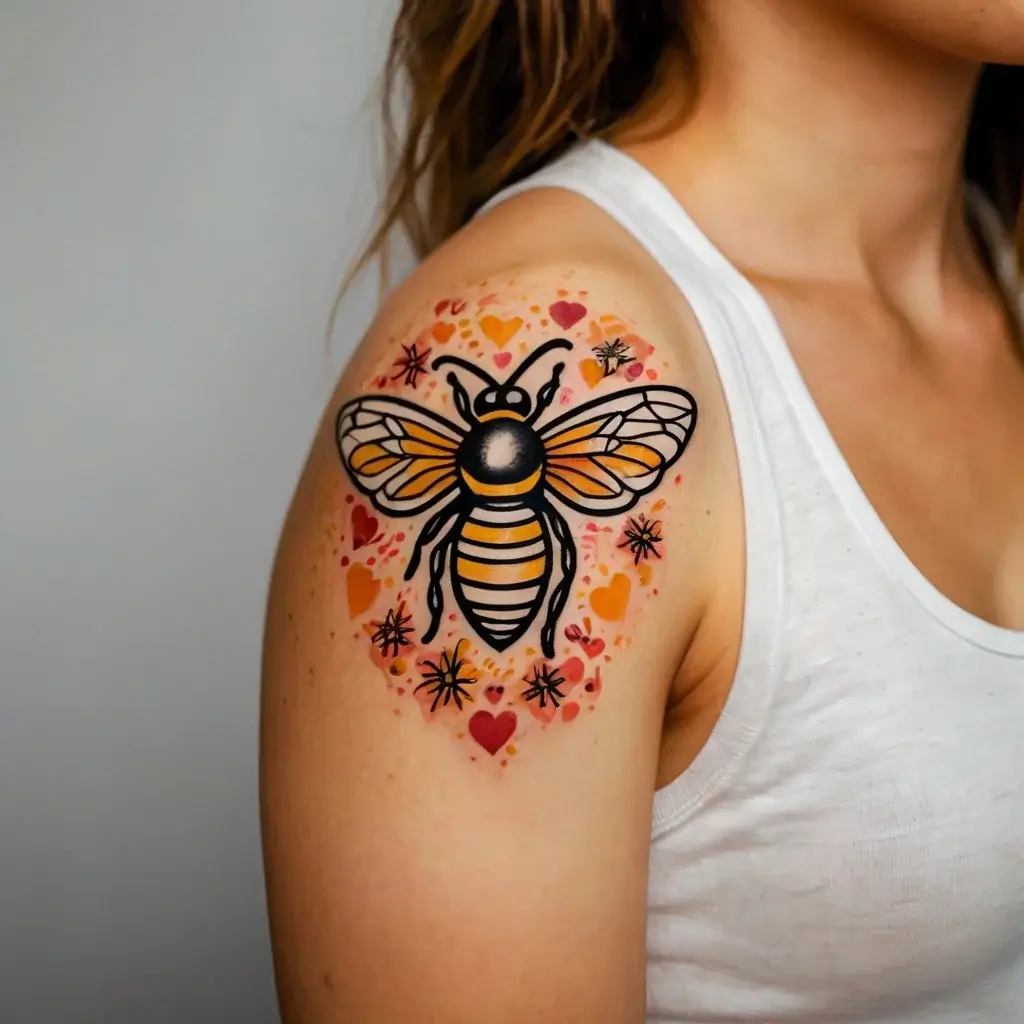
{"type": "Point", "coordinates": [466, 664]}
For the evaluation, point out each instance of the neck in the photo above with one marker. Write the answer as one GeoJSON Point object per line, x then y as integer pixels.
{"type": "Point", "coordinates": [815, 126]}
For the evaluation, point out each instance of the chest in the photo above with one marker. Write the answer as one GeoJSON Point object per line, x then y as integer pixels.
{"type": "Point", "coordinates": [935, 440]}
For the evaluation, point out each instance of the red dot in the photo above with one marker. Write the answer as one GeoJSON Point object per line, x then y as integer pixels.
{"type": "Point", "coordinates": [371, 561]}
{"type": "Point", "coordinates": [349, 498]}
{"type": "Point", "coordinates": [344, 562]}
{"type": "Point", "coordinates": [399, 536]}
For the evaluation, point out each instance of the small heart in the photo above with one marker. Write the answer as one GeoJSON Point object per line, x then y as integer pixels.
{"type": "Point", "coordinates": [443, 332]}
{"type": "Point", "coordinates": [572, 671]}
{"type": "Point", "coordinates": [364, 527]}
{"type": "Point", "coordinates": [490, 732]}
{"type": "Point", "coordinates": [592, 648]}
{"type": "Point", "coordinates": [591, 372]}
{"type": "Point", "coordinates": [362, 588]}
{"type": "Point", "coordinates": [494, 693]}
{"type": "Point", "coordinates": [502, 359]}
{"type": "Point", "coordinates": [634, 370]}
{"type": "Point", "coordinates": [566, 314]}
{"type": "Point", "coordinates": [609, 603]}
{"type": "Point", "coordinates": [501, 332]}
{"type": "Point", "coordinates": [569, 712]}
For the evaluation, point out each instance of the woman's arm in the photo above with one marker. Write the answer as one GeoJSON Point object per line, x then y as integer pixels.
{"type": "Point", "coordinates": [477, 609]}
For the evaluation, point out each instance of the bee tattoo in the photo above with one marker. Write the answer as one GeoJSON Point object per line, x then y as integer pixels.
{"type": "Point", "coordinates": [494, 485]}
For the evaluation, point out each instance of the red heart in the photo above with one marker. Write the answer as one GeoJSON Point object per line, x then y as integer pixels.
{"type": "Point", "coordinates": [490, 732]}
{"type": "Point", "coordinates": [565, 314]}
{"type": "Point", "coordinates": [364, 527]}
{"type": "Point", "coordinates": [502, 359]}
{"type": "Point", "coordinates": [592, 647]}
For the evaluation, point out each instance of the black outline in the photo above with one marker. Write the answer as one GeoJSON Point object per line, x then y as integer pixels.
{"type": "Point", "coordinates": [453, 507]}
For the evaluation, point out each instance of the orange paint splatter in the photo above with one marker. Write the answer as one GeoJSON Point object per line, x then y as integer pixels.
{"type": "Point", "coordinates": [646, 573]}
{"type": "Point", "coordinates": [609, 603]}
{"type": "Point", "coordinates": [442, 332]}
{"type": "Point", "coordinates": [363, 588]}
{"type": "Point", "coordinates": [591, 372]}
{"type": "Point", "coordinates": [501, 332]}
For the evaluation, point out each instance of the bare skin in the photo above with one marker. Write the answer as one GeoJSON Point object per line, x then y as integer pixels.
{"type": "Point", "coordinates": [412, 875]}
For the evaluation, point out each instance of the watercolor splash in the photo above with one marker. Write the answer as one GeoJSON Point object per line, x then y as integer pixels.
{"type": "Point", "coordinates": [495, 704]}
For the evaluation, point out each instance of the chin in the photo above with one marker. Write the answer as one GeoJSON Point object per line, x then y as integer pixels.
{"type": "Point", "coordinates": [973, 30]}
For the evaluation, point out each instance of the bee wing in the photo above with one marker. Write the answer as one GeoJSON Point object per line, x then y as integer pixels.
{"type": "Point", "coordinates": [398, 454]}
{"type": "Point", "coordinates": [605, 455]}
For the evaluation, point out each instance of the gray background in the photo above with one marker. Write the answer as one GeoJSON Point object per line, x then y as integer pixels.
{"type": "Point", "coordinates": [181, 187]}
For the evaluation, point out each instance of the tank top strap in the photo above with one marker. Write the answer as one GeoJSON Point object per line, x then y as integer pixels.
{"type": "Point", "coordinates": [634, 198]}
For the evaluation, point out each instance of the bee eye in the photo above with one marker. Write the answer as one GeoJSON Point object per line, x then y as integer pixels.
{"type": "Point", "coordinates": [490, 397]}
{"type": "Point", "coordinates": [514, 397]}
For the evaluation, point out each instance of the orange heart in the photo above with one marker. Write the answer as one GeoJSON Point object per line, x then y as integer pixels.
{"type": "Point", "coordinates": [591, 372]}
{"type": "Point", "coordinates": [609, 603]}
{"type": "Point", "coordinates": [443, 331]}
{"type": "Point", "coordinates": [363, 588]}
{"type": "Point", "coordinates": [501, 332]}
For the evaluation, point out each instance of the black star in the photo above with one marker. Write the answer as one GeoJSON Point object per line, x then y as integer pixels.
{"type": "Point", "coordinates": [411, 364]}
{"type": "Point", "coordinates": [543, 686]}
{"type": "Point", "coordinates": [392, 632]}
{"type": "Point", "coordinates": [642, 538]}
{"type": "Point", "coordinates": [612, 355]}
{"type": "Point", "coordinates": [445, 680]}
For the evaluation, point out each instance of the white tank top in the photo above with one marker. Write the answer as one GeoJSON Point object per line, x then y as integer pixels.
{"type": "Point", "coordinates": [849, 844]}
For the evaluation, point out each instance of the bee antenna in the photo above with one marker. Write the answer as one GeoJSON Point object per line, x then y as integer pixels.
{"type": "Point", "coordinates": [464, 364]}
{"type": "Point", "coordinates": [548, 346]}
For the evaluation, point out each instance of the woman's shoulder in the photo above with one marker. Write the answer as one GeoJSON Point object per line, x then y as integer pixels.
{"type": "Point", "coordinates": [492, 570]}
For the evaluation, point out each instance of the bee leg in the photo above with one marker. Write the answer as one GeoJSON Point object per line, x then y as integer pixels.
{"type": "Point", "coordinates": [556, 602]}
{"type": "Point", "coordinates": [435, 592]}
{"type": "Point", "coordinates": [432, 528]}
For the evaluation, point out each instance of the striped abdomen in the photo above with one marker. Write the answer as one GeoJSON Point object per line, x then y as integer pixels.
{"type": "Point", "coordinates": [501, 566]}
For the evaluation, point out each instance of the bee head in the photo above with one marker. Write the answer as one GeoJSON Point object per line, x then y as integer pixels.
{"type": "Point", "coordinates": [502, 399]}
{"type": "Point", "coordinates": [507, 397]}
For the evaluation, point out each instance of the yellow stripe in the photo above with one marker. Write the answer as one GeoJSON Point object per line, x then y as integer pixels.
{"type": "Point", "coordinates": [503, 490]}
{"type": "Point", "coordinates": [502, 414]}
{"type": "Point", "coordinates": [507, 535]}
{"type": "Point", "coordinates": [504, 572]}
